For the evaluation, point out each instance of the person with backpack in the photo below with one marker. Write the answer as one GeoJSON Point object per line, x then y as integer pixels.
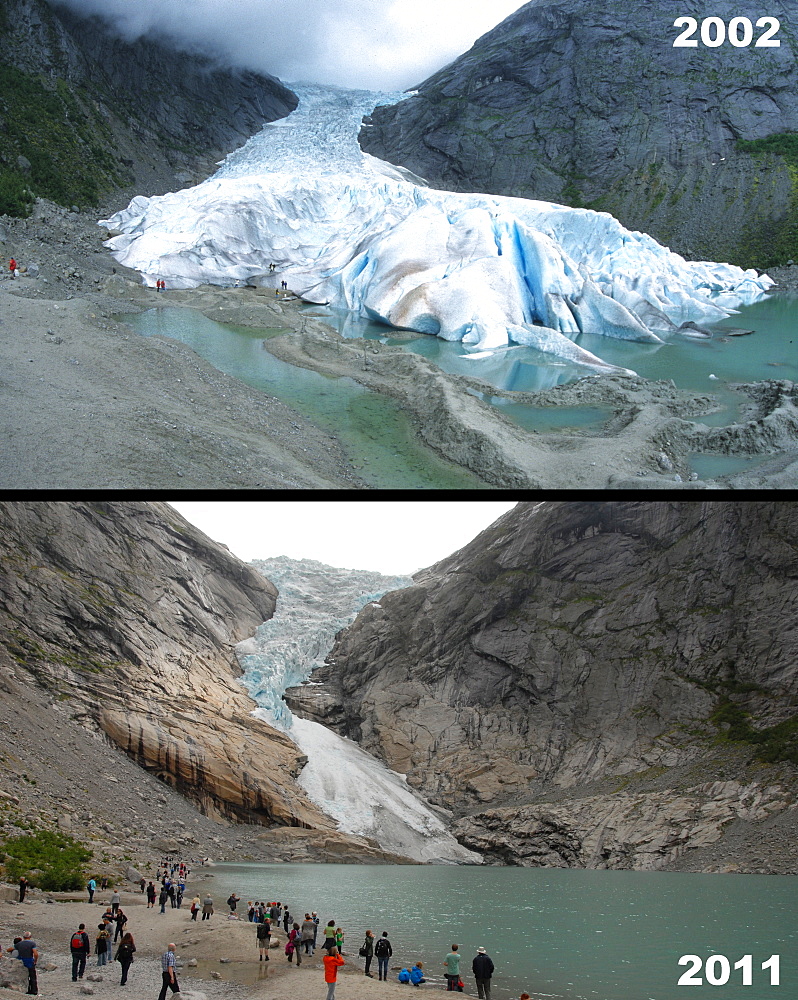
{"type": "Point", "coordinates": [102, 943]}
{"type": "Point", "coordinates": [80, 947]}
{"type": "Point", "coordinates": [124, 955]}
{"type": "Point", "coordinates": [264, 934]}
{"type": "Point", "coordinates": [382, 952]}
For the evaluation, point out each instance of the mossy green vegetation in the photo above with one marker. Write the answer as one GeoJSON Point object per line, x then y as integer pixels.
{"type": "Point", "coordinates": [773, 245]}
{"type": "Point", "coordinates": [773, 744]}
{"type": "Point", "coordinates": [51, 861]}
{"type": "Point", "coordinates": [60, 133]}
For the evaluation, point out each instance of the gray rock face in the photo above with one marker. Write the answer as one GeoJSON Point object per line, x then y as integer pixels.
{"type": "Point", "coordinates": [167, 111]}
{"type": "Point", "coordinates": [571, 645]}
{"type": "Point", "coordinates": [580, 103]}
{"type": "Point", "coordinates": [128, 615]}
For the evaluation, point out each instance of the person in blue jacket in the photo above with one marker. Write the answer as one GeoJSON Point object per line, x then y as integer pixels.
{"type": "Point", "coordinates": [416, 974]}
{"type": "Point", "coordinates": [404, 976]}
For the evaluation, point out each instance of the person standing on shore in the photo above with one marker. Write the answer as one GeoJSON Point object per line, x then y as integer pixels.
{"type": "Point", "coordinates": [29, 956]}
{"type": "Point", "coordinates": [124, 955]}
{"type": "Point", "coordinates": [367, 952]}
{"type": "Point", "coordinates": [80, 947]}
{"type": "Point", "coordinates": [482, 967]}
{"type": "Point", "coordinates": [116, 899]}
{"type": "Point", "coordinates": [169, 970]}
{"type": "Point", "coordinates": [329, 936]}
{"type": "Point", "coordinates": [308, 929]}
{"type": "Point", "coordinates": [452, 963]}
{"type": "Point", "coordinates": [91, 885]}
{"type": "Point", "coordinates": [195, 907]}
{"type": "Point", "coordinates": [264, 934]}
{"type": "Point", "coordinates": [383, 951]}
{"type": "Point", "coordinates": [207, 908]}
{"type": "Point", "coordinates": [332, 963]}
{"type": "Point", "coordinates": [23, 888]}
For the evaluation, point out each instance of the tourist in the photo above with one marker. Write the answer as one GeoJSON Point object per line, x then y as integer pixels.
{"type": "Point", "coordinates": [23, 888]}
{"type": "Point", "coordinates": [295, 944]}
{"type": "Point", "coordinates": [169, 972]}
{"type": "Point", "coordinates": [102, 943]}
{"type": "Point", "coordinates": [207, 908]}
{"type": "Point", "coordinates": [163, 895]}
{"type": "Point", "coordinates": [286, 919]}
{"type": "Point", "coordinates": [12, 267]}
{"type": "Point", "coordinates": [264, 934]}
{"type": "Point", "coordinates": [29, 956]}
{"type": "Point", "coordinates": [80, 947]}
{"type": "Point", "coordinates": [121, 920]}
{"type": "Point", "coordinates": [232, 902]}
{"type": "Point", "coordinates": [142, 884]}
{"type": "Point", "coordinates": [367, 952]}
{"type": "Point", "coordinates": [383, 951]}
{"type": "Point", "coordinates": [308, 929]}
{"type": "Point", "coordinates": [452, 963]}
{"type": "Point", "coordinates": [332, 962]}
{"type": "Point", "coordinates": [482, 967]}
{"type": "Point", "coordinates": [116, 899]}
{"type": "Point", "coordinates": [91, 885]}
{"type": "Point", "coordinates": [417, 974]}
{"type": "Point", "coordinates": [329, 936]}
{"type": "Point", "coordinates": [170, 889]}
{"type": "Point", "coordinates": [104, 883]}
{"type": "Point", "coordinates": [339, 940]}
{"type": "Point", "coordinates": [195, 907]}
{"type": "Point", "coordinates": [316, 922]}
{"type": "Point", "coordinates": [150, 895]}
{"type": "Point", "coordinates": [124, 955]}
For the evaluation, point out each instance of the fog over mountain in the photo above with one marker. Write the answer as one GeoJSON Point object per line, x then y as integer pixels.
{"type": "Point", "coordinates": [376, 44]}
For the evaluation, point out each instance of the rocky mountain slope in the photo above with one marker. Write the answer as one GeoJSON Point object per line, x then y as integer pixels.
{"type": "Point", "coordinates": [588, 104]}
{"type": "Point", "coordinates": [568, 681]}
{"type": "Point", "coordinates": [126, 616]}
{"type": "Point", "coordinates": [83, 112]}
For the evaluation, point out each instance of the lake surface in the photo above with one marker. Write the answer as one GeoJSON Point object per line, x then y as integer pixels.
{"type": "Point", "coordinates": [553, 933]}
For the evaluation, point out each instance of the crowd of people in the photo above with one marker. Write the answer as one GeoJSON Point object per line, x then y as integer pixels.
{"type": "Point", "coordinates": [302, 938]}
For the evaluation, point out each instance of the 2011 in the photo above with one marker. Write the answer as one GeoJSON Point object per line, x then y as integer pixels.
{"type": "Point", "coordinates": [740, 32]}
{"type": "Point", "coordinates": [718, 969]}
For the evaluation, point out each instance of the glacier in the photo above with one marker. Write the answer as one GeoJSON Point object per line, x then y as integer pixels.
{"type": "Point", "coordinates": [359, 234]}
{"type": "Point", "coordinates": [364, 796]}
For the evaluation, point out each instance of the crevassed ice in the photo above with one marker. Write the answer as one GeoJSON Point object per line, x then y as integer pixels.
{"type": "Point", "coordinates": [359, 792]}
{"type": "Point", "coordinates": [359, 234]}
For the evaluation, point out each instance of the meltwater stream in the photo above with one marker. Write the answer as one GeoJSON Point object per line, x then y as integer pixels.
{"type": "Point", "coordinates": [360, 793]}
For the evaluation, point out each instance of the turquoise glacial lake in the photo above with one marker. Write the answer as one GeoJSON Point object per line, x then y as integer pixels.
{"type": "Point", "coordinates": [552, 933]}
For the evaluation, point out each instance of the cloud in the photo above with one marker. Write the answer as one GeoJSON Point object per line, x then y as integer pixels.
{"type": "Point", "coordinates": [373, 44]}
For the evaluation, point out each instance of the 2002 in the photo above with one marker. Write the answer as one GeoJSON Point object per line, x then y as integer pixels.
{"type": "Point", "coordinates": [717, 970]}
{"type": "Point", "coordinates": [714, 32]}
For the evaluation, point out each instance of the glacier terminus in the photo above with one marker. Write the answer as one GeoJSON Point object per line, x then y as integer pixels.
{"type": "Point", "coordinates": [359, 234]}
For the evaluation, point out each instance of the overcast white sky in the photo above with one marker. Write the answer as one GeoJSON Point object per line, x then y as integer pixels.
{"type": "Point", "coordinates": [391, 537]}
{"type": "Point", "coordinates": [371, 44]}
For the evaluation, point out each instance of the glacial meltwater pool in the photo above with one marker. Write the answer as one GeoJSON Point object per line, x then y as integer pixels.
{"type": "Point", "coordinates": [557, 934]}
{"type": "Point", "coordinates": [376, 435]}
{"type": "Point", "coordinates": [379, 438]}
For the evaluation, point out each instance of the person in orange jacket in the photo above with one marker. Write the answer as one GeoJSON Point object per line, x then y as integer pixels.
{"type": "Point", "coordinates": [332, 961]}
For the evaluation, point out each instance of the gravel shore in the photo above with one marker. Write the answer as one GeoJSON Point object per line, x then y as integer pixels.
{"type": "Point", "coordinates": [220, 948]}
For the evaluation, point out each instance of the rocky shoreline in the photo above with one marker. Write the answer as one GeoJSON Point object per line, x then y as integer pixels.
{"type": "Point", "coordinates": [88, 403]}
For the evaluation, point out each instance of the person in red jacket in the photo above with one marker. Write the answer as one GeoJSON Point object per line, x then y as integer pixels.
{"type": "Point", "coordinates": [12, 267]}
{"type": "Point", "coordinates": [331, 963]}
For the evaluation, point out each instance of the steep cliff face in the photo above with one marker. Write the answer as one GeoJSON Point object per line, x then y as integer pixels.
{"type": "Point", "coordinates": [570, 649]}
{"type": "Point", "coordinates": [84, 111]}
{"type": "Point", "coordinates": [127, 616]}
{"type": "Point", "coordinates": [588, 104]}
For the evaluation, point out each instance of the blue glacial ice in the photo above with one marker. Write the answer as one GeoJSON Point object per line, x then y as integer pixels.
{"type": "Point", "coordinates": [360, 793]}
{"type": "Point", "coordinates": [359, 234]}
